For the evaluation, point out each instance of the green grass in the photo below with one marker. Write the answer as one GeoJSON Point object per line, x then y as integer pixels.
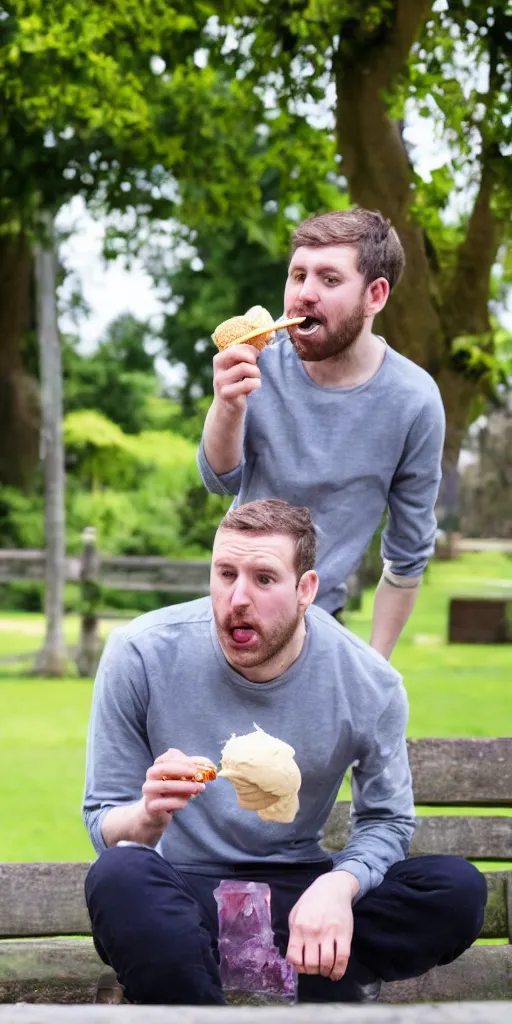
{"type": "Point", "coordinates": [42, 743]}
{"type": "Point", "coordinates": [453, 691]}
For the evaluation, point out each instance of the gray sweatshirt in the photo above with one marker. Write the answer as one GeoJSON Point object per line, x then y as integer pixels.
{"type": "Point", "coordinates": [346, 453]}
{"type": "Point", "coordinates": [164, 682]}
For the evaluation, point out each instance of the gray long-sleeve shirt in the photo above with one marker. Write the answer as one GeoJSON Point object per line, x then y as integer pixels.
{"type": "Point", "coordinates": [346, 453]}
{"type": "Point", "coordinates": [164, 682]}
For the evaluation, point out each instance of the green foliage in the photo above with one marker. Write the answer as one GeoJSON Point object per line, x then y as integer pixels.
{"type": "Point", "coordinates": [105, 99]}
{"type": "Point", "coordinates": [118, 379]}
{"type": "Point", "coordinates": [128, 522]}
{"type": "Point", "coordinates": [97, 450]}
{"type": "Point", "coordinates": [189, 421]}
{"type": "Point", "coordinates": [142, 493]}
{"type": "Point", "coordinates": [486, 357]}
{"type": "Point", "coordinates": [200, 514]}
{"type": "Point", "coordinates": [21, 519]}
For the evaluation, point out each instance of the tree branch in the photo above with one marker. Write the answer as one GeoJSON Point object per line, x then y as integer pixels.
{"type": "Point", "coordinates": [393, 55]}
{"type": "Point", "coordinates": [467, 295]}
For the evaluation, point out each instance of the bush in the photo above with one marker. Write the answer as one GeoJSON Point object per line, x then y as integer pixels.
{"type": "Point", "coordinates": [21, 519]}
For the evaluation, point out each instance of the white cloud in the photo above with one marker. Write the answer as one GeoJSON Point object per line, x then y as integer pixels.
{"type": "Point", "coordinates": [108, 287]}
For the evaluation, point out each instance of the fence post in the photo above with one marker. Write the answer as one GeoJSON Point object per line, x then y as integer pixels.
{"type": "Point", "coordinates": [89, 643]}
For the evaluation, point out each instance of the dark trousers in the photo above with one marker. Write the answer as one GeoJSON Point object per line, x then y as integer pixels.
{"type": "Point", "coordinates": [158, 929]}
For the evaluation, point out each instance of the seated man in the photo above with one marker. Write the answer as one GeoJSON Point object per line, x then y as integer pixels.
{"type": "Point", "coordinates": [175, 684]}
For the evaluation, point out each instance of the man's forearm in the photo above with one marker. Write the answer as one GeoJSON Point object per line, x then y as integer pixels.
{"type": "Point", "coordinates": [391, 610]}
{"type": "Point", "coordinates": [223, 438]}
{"type": "Point", "coordinates": [133, 824]}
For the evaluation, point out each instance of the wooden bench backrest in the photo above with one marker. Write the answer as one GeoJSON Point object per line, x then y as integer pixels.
{"type": "Point", "coordinates": [47, 899]}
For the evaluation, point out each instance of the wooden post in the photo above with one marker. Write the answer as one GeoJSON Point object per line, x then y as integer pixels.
{"type": "Point", "coordinates": [89, 647]}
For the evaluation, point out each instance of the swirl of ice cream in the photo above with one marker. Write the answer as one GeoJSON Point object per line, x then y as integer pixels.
{"type": "Point", "coordinates": [264, 775]}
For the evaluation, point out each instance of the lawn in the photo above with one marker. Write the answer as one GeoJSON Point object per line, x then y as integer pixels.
{"type": "Point", "coordinates": [453, 691]}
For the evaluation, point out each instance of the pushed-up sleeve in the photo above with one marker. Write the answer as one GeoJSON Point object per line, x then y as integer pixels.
{"type": "Point", "coordinates": [225, 483]}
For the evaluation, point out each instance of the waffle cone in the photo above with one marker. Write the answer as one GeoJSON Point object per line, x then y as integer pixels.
{"type": "Point", "coordinates": [237, 329]}
{"type": "Point", "coordinates": [256, 328]}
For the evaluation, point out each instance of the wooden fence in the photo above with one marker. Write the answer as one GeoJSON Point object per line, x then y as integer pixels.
{"type": "Point", "coordinates": [93, 572]}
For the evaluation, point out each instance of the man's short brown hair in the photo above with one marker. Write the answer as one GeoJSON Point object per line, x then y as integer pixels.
{"type": "Point", "coordinates": [276, 516]}
{"type": "Point", "coordinates": [380, 252]}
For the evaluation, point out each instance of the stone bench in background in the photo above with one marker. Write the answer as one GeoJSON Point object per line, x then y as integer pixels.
{"type": "Point", "coordinates": [480, 620]}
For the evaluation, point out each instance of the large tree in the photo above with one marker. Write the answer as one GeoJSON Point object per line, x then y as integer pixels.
{"type": "Point", "coordinates": [375, 65]}
{"type": "Point", "coordinates": [102, 98]}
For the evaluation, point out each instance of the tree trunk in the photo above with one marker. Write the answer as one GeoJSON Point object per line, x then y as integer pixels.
{"type": "Point", "coordinates": [19, 403]}
{"type": "Point", "coordinates": [427, 312]}
{"type": "Point", "coordinates": [51, 660]}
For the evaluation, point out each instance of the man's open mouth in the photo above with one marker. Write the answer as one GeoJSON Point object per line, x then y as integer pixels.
{"type": "Point", "coordinates": [309, 326]}
{"type": "Point", "coordinates": [242, 635]}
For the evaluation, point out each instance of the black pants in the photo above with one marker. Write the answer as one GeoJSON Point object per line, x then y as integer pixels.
{"type": "Point", "coordinates": [157, 927]}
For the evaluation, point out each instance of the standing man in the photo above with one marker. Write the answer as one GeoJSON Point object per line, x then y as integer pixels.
{"type": "Point", "coordinates": [331, 417]}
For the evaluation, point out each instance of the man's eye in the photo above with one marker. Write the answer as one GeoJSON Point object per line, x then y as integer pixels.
{"type": "Point", "coordinates": [265, 579]}
{"type": "Point", "coordinates": [227, 573]}
{"type": "Point", "coordinates": [298, 277]}
{"type": "Point", "coordinates": [331, 280]}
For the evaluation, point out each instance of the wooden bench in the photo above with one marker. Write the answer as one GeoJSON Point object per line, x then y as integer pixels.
{"type": "Point", "coordinates": [47, 956]}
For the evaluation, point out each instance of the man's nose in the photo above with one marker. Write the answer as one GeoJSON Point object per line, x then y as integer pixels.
{"type": "Point", "coordinates": [240, 595]}
{"type": "Point", "coordinates": [309, 292]}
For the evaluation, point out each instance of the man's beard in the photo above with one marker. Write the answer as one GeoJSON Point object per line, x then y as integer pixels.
{"type": "Point", "coordinates": [337, 343]}
{"type": "Point", "coordinates": [271, 643]}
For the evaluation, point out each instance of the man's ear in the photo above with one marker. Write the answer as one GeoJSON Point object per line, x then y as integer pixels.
{"type": "Point", "coordinates": [307, 589]}
{"type": "Point", "coordinates": [377, 295]}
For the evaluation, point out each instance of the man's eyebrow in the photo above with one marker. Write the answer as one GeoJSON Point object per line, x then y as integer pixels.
{"type": "Point", "coordinates": [322, 268]}
{"type": "Point", "coordinates": [329, 268]}
{"type": "Point", "coordinates": [263, 567]}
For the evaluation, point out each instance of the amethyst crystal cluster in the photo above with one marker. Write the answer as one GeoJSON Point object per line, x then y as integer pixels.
{"type": "Point", "coordinates": [249, 960]}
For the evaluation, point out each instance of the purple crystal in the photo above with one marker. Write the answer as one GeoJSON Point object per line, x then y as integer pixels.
{"type": "Point", "coordinates": [249, 960]}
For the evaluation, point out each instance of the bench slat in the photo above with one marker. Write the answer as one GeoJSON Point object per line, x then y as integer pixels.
{"type": "Point", "coordinates": [472, 837]}
{"type": "Point", "coordinates": [464, 1013]}
{"type": "Point", "coordinates": [68, 970]}
{"type": "Point", "coordinates": [462, 772]}
{"type": "Point", "coordinates": [49, 971]}
{"type": "Point", "coordinates": [43, 899]}
{"type": "Point", "coordinates": [482, 972]}
{"type": "Point", "coordinates": [47, 900]}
